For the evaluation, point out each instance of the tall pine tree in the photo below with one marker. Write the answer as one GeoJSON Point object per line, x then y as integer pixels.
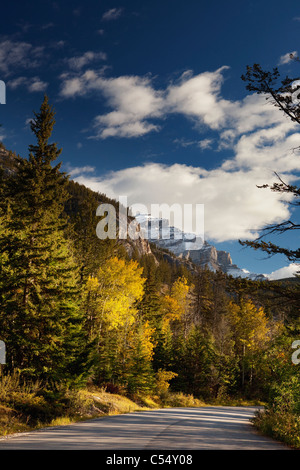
{"type": "Point", "coordinates": [40, 318]}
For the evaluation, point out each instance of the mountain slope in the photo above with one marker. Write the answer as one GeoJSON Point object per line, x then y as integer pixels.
{"type": "Point", "coordinates": [176, 246]}
{"type": "Point", "coordinates": [187, 246]}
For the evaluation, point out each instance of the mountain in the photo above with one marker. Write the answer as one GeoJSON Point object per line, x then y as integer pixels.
{"type": "Point", "coordinates": [80, 208]}
{"type": "Point", "coordinates": [177, 247]}
{"type": "Point", "coordinates": [187, 246]}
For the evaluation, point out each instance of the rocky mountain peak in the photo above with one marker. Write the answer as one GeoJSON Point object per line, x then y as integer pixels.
{"type": "Point", "coordinates": [189, 247]}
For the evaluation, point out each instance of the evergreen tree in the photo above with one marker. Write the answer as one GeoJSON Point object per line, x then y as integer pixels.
{"type": "Point", "coordinates": [198, 373]}
{"type": "Point", "coordinates": [139, 373]}
{"type": "Point", "coordinates": [150, 305]}
{"type": "Point", "coordinates": [203, 294]}
{"type": "Point", "coordinates": [80, 208]}
{"type": "Point", "coordinates": [40, 319]}
{"type": "Point", "coordinates": [282, 94]}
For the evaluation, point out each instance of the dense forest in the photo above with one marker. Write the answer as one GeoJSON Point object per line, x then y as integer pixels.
{"type": "Point", "coordinates": [76, 310]}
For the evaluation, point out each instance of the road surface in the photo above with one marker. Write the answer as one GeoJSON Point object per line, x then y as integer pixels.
{"type": "Point", "coordinates": [210, 428]}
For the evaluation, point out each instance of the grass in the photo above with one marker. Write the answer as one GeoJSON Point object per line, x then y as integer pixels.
{"type": "Point", "coordinates": [179, 399]}
{"type": "Point", "coordinates": [26, 407]}
{"type": "Point", "coordinates": [111, 403]}
{"type": "Point", "coordinates": [283, 426]}
{"type": "Point", "coordinates": [11, 422]}
{"type": "Point", "coordinates": [73, 407]}
{"type": "Point", "coordinates": [80, 406]}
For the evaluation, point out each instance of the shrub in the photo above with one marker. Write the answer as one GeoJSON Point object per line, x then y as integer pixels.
{"type": "Point", "coordinates": [163, 378]}
{"type": "Point", "coordinates": [280, 425]}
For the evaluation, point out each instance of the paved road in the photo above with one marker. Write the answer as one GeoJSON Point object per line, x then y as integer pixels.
{"type": "Point", "coordinates": [210, 428]}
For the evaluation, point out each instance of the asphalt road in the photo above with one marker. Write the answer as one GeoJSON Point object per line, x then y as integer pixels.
{"type": "Point", "coordinates": [210, 428]}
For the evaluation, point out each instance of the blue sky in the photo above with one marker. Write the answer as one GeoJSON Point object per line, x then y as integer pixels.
{"type": "Point", "coordinates": [150, 104]}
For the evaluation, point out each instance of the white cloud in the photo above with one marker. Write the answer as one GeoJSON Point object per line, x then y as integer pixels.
{"type": "Point", "coordinates": [285, 272]}
{"type": "Point", "coordinates": [33, 84]}
{"type": "Point", "coordinates": [71, 86]}
{"type": "Point", "coordinates": [132, 97]}
{"type": "Point", "coordinates": [36, 85]}
{"type": "Point", "coordinates": [28, 122]}
{"type": "Point", "coordinates": [16, 54]}
{"type": "Point", "coordinates": [202, 144]}
{"type": "Point", "coordinates": [205, 144]}
{"type": "Point", "coordinates": [272, 147]}
{"type": "Point", "coordinates": [260, 137]}
{"type": "Point", "coordinates": [112, 14]}
{"type": "Point", "coordinates": [135, 100]}
{"type": "Point", "coordinates": [198, 97]}
{"type": "Point", "coordinates": [234, 206]}
{"type": "Point", "coordinates": [79, 170]}
{"type": "Point", "coordinates": [16, 82]}
{"type": "Point", "coordinates": [138, 107]}
{"type": "Point", "coordinates": [79, 62]}
{"type": "Point", "coordinates": [288, 57]}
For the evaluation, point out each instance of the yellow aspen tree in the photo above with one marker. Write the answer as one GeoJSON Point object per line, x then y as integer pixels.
{"type": "Point", "coordinates": [111, 310]}
{"type": "Point", "coordinates": [250, 328]}
{"type": "Point", "coordinates": [177, 304]}
{"type": "Point", "coordinates": [112, 294]}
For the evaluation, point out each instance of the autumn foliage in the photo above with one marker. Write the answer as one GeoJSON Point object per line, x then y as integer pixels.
{"type": "Point", "coordinates": [76, 310]}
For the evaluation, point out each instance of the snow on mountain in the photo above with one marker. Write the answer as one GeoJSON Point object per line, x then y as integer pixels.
{"type": "Point", "coordinates": [190, 247]}
{"type": "Point", "coordinates": [160, 232]}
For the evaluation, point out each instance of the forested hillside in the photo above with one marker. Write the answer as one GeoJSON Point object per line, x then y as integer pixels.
{"type": "Point", "coordinates": [76, 310]}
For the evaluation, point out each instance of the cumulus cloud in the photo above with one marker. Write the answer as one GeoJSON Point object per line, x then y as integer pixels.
{"type": "Point", "coordinates": [134, 102]}
{"type": "Point", "coordinates": [133, 98]}
{"type": "Point", "coordinates": [262, 140]}
{"type": "Point", "coordinates": [285, 272]}
{"type": "Point", "coordinates": [138, 107]}
{"type": "Point", "coordinates": [234, 206]}
{"type": "Point", "coordinates": [198, 97]}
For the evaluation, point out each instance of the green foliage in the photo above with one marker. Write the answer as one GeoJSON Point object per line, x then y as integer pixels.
{"type": "Point", "coordinates": [80, 209]}
{"type": "Point", "coordinates": [40, 316]}
{"type": "Point", "coordinates": [194, 363]}
{"type": "Point", "coordinates": [139, 371]}
{"type": "Point", "coordinates": [75, 308]}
